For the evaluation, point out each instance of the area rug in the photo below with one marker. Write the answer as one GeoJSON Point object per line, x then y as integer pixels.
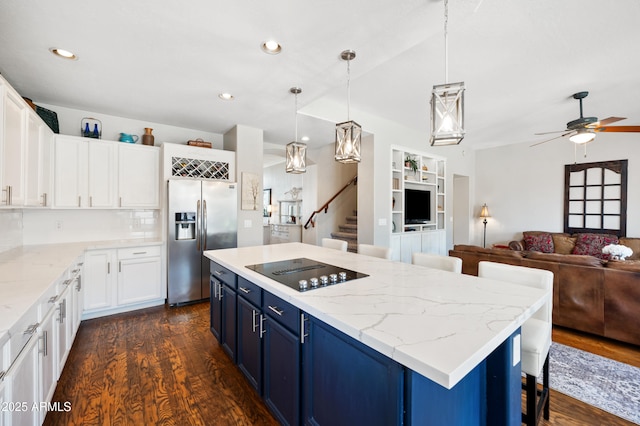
{"type": "Point", "coordinates": [609, 385]}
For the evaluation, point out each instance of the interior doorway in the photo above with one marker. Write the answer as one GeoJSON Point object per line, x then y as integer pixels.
{"type": "Point", "coordinates": [461, 210]}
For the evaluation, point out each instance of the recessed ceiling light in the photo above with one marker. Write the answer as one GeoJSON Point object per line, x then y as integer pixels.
{"type": "Point", "coordinates": [226, 96]}
{"type": "Point", "coordinates": [271, 47]}
{"type": "Point", "coordinates": [305, 139]}
{"type": "Point", "coordinates": [63, 53]}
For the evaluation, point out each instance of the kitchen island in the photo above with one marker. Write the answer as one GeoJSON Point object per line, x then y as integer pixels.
{"type": "Point", "coordinates": [450, 342]}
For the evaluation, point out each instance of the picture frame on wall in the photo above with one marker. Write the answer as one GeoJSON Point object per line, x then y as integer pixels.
{"type": "Point", "coordinates": [250, 191]}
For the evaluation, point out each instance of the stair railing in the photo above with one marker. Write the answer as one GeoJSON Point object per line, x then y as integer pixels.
{"type": "Point", "coordinates": [325, 206]}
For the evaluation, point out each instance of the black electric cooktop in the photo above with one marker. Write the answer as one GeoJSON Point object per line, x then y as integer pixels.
{"type": "Point", "coordinates": [305, 274]}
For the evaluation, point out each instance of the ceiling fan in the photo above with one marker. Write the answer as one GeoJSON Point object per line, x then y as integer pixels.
{"type": "Point", "coordinates": [584, 129]}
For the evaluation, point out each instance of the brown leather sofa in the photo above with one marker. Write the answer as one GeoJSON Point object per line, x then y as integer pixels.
{"type": "Point", "coordinates": [589, 294]}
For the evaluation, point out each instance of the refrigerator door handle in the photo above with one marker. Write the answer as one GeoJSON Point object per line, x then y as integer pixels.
{"type": "Point", "coordinates": [198, 225]}
{"type": "Point", "coordinates": [204, 224]}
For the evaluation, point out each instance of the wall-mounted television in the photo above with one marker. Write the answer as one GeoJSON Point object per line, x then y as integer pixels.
{"type": "Point", "coordinates": [417, 206]}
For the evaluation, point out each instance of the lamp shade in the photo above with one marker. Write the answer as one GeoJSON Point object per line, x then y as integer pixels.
{"type": "Point", "coordinates": [296, 157]}
{"type": "Point", "coordinates": [485, 211]}
{"type": "Point", "coordinates": [348, 141]}
{"type": "Point", "coordinates": [447, 114]}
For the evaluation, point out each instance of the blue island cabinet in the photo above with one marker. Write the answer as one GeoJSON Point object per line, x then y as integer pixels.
{"type": "Point", "coordinates": [268, 352]}
{"type": "Point", "coordinates": [223, 297]}
{"type": "Point", "coordinates": [346, 382]}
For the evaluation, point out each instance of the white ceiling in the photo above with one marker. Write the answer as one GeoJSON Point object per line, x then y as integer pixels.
{"type": "Point", "coordinates": [166, 61]}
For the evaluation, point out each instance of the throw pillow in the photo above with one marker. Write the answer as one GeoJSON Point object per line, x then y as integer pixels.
{"type": "Point", "coordinates": [563, 243]}
{"type": "Point", "coordinates": [538, 241]}
{"type": "Point", "coordinates": [592, 244]}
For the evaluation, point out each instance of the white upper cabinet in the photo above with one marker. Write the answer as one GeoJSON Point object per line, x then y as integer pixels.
{"type": "Point", "coordinates": [39, 141]}
{"type": "Point", "coordinates": [70, 172]}
{"type": "Point", "coordinates": [138, 176]}
{"type": "Point", "coordinates": [12, 147]}
{"type": "Point", "coordinates": [102, 171]}
{"type": "Point", "coordinates": [25, 153]}
{"type": "Point", "coordinates": [90, 173]}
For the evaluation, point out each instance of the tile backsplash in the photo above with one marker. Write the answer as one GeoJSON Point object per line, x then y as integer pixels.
{"type": "Point", "coordinates": [11, 229]}
{"type": "Point", "coordinates": [63, 226]}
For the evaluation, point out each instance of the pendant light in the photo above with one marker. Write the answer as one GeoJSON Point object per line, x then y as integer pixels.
{"type": "Point", "coordinates": [348, 133]}
{"type": "Point", "coordinates": [296, 151]}
{"type": "Point", "coordinates": [447, 102]}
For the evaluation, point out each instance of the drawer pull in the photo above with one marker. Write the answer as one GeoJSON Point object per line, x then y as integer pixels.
{"type": "Point", "coordinates": [244, 290]}
{"type": "Point", "coordinates": [218, 273]}
{"type": "Point", "coordinates": [2, 374]}
{"type": "Point", "coordinates": [140, 252]}
{"type": "Point", "coordinates": [276, 310]}
{"type": "Point", "coordinates": [75, 271]}
{"type": "Point", "coordinates": [66, 282]}
{"type": "Point", "coordinates": [31, 329]}
{"type": "Point", "coordinates": [53, 299]}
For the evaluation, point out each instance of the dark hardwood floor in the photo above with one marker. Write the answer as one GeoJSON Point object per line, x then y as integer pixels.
{"type": "Point", "coordinates": [163, 366]}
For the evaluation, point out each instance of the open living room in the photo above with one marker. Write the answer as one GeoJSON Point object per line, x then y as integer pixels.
{"type": "Point", "coordinates": [347, 212]}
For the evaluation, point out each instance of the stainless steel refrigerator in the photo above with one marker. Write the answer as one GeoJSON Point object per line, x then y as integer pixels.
{"type": "Point", "coordinates": [202, 215]}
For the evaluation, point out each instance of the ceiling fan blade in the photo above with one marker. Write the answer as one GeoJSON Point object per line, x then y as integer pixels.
{"type": "Point", "coordinates": [609, 120]}
{"type": "Point", "coordinates": [548, 133]}
{"type": "Point", "coordinates": [557, 137]}
{"type": "Point", "coordinates": [630, 129]}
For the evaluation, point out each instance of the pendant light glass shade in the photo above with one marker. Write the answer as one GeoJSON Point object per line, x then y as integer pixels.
{"type": "Point", "coordinates": [296, 157]}
{"type": "Point", "coordinates": [296, 152]}
{"type": "Point", "coordinates": [348, 133]}
{"type": "Point", "coordinates": [447, 114]}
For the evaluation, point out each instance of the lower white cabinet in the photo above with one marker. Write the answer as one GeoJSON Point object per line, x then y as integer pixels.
{"type": "Point", "coordinates": [21, 387]}
{"type": "Point", "coordinates": [118, 280]}
{"type": "Point", "coordinates": [404, 245]}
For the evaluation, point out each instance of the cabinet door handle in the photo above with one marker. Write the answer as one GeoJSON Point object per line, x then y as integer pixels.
{"type": "Point", "coordinates": [90, 200]}
{"type": "Point", "coordinates": [302, 330]}
{"type": "Point", "coordinates": [120, 202]}
{"type": "Point", "coordinates": [108, 267]}
{"type": "Point", "coordinates": [119, 266]}
{"type": "Point", "coordinates": [45, 343]}
{"type": "Point", "coordinates": [44, 199]}
{"type": "Point", "coordinates": [253, 321]}
{"type": "Point", "coordinates": [78, 283]}
{"type": "Point", "coordinates": [276, 310]}
{"type": "Point", "coordinates": [7, 191]}
{"type": "Point", "coordinates": [244, 290]}
{"type": "Point", "coordinates": [220, 292]}
{"type": "Point", "coordinates": [262, 329]}
{"type": "Point", "coordinates": [79, 200]}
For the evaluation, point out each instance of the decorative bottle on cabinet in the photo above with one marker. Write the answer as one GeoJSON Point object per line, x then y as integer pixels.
{"type": "Point", "coordinates": [147, 138]}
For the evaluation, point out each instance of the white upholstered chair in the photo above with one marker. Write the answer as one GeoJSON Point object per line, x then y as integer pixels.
{"type": "Point", "coordinates": [445, 263]}
{"type": "Point", "coordinates": [335, 244]}
{"type": "Point", "coordinates": [376, 251]}
{"type": "Point", "coordinates": [536, 333]}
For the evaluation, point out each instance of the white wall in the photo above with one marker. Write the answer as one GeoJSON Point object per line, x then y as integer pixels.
{"type": "Point", "coordinates": [69, 121]}
{"type": "Point", "coordinates": [247, 142]}
{"type": "Point", "coordinates": [524, 186]}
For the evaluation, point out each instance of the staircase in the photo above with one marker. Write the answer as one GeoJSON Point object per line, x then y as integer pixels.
{"type": "Point", "coordinates": [348, 232]}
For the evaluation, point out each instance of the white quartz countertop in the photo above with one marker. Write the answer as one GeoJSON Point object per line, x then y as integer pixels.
{"type": "Point", "coordinates": [27, 272]}
{"type": "Point", "coordinates": [439, 324]}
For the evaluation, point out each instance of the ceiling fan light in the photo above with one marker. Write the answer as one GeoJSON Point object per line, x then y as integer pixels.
{"type": "Point", "coordinates": [582, 136]}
